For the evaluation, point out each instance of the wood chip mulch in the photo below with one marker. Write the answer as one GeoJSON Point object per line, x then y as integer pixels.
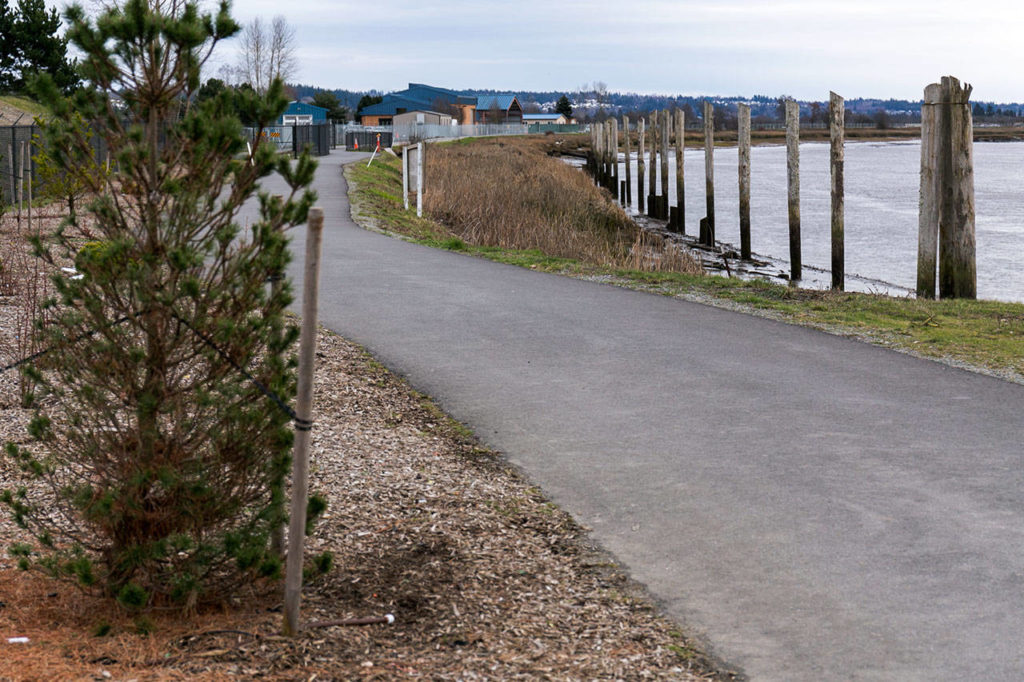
{"type": "Point", "coordinates": [485, 578]}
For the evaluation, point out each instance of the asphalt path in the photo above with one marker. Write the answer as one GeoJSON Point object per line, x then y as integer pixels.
{"type": "Point", "coordinates": [814, 507]}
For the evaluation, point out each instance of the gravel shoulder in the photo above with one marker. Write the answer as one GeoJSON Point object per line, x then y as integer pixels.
{"type": "Point", "coordinates": [485, 578]}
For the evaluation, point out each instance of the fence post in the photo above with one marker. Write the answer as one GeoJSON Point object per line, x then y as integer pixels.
{"type": "Point", "coordinates": [652, 189]}
{"type": "Point", "coordinates": [641, 134]}
{"type": "Point", "coordinates": [928, 202]}
{"type": "Point", "coordinates": [707, 235]}
{"type": "Point", "coordinates": [405, 177]}
{"type": "Point", "coordinates": [743, 142]}
{"type": "Point", "coordinates": [421, 149]}
{"type": "Point", "coordinates": [680, 222]}
{"type": "Point", "coordinates": [957, 268]}
{"type": "Point", "coordinates": [793, 181]}
{"type": "Point", "coordinates": [304, 412]}
{"type": "Point", "coordinates": [836, 111]}
{"type": "Point", "coordinates": [629, 172]}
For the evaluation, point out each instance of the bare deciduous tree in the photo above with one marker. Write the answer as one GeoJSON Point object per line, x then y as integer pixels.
{"type": "Point", "coordinates": [268, 52]}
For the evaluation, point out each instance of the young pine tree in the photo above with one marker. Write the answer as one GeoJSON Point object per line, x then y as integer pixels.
{"type": "Point", "coordinates": [161, 465]}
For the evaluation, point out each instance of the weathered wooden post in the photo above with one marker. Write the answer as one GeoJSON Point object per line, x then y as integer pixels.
{"type": "Point", "coordinates": [421, 164]}
{"type": "Point", "coordinates": [629, 172]}
{"type": "Point", "coordinates": [680, 219]}
{"type": "Point", "coordinates": [652, 191]}
{"type": "Point", "coordinates": [303, 424]}
{"type": "Point", "coordinates": [666, 129]}
{"type": "Point", "coordinates": [641, 133]}
{"type": "Point", "coordinates": [836, 112]}
{"type": "Point", "coordinates": [613, 153]}
{"type": "Point", "coordinates": [958, 276]}
{"type": "Point", "coordinates": [928, 202]}
{"type": "Point", "coordinates": [405, 176]}
{"type": "Point", "coordinates": [743, 142]}
{"type": "Point", "coordinates": [793, 181]}
{"type": "Point", "coordinates": [707, 233]}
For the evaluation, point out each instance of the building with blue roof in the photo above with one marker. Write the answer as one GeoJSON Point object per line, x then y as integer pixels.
{"type": "Point", "coordinates": [300, 113]}
{"type": "Point", "coordinates": [466, 109]}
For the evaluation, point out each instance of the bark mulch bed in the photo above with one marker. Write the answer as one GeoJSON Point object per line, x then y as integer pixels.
{"type": "Point", "coordinates": [485, 578]}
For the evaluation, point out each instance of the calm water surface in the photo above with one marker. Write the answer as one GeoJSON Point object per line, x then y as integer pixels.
{"type": "Point", "coordinates": [882, 185]}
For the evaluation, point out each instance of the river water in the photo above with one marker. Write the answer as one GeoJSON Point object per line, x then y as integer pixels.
{"type": "Point", "coordinates": [882, 187]}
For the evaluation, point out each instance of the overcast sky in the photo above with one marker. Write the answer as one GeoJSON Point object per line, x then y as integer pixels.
{"type": "Point", "coordinates": [802, 48]}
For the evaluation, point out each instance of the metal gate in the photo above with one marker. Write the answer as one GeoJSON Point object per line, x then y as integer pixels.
{"type": "Point", "coordinates": [317, 138]}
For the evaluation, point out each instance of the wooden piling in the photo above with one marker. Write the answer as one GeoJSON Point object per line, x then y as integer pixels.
{"type": "Point", "coordinates": [652, 192]}
{"type": "Point", "coordinates": [708, 234]}
{"type": "Point", "coordinates": [641, 133]}
{"type": "Point", "coordinates": [680, 221]}
{"type": "Point", "coordinates": [836, 111]}
{"type": "Point", "coordinates": [743, 141]}
{"type": "Point", "coordinates": [666, 129]}
{"type": "Point", "coordinates": [629, 172]}
{"type": "Point", "coordinates": [793, 181]}
{"type": "Point", "coordinates": [613, 154]}
{"type": "Point", "coordinates": [957, 267]}
{"type": "Point", "coordinates": [928, 201]}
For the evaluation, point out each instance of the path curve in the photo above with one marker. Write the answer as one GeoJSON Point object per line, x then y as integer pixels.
{"type": "Point", "coordinates": [815, 507]}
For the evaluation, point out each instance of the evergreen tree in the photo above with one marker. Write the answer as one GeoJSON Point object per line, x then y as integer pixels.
{"type": "Point", "coordinates": [38, 48]}
{"type": "Point", "coordinates": [564, 106]}
{"type": "Point", "coordinates": [162, 464]}
{"type": "Point", "coordinates": [8, 55]}
{"type": "Point", "coordinates": [329, 101]}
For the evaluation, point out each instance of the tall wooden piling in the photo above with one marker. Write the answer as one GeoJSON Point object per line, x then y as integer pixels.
{"type": "Point", "coordinates": [708, 233]}
{"type": "Point", "coordinates": [957, 269]}
{"type": "Point", "coordinates": [666, 130]}
{"type": "Point", "coordinates": [652, 191]}
{"type": "Point", "coordinates": [680, 223]}
{"type": "Point", "coordinates": [836, 112]}
{"type": "Point", "coordinates": [613, 155]}
{"type": "Point", "coordinates": [928, 202]}
{"type": "Point", "coordinates": [629, 172]}
{"type": "Point", "coordinates": [793, 182]}
{"type": "Point", "coordinates": [743, 142]}
{"type": "Point", "coordinates": [641, 134]}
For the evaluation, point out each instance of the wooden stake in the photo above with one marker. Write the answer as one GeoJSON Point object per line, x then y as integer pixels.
{"type": "Point", "coordinates": [793, 181]}
{"type": "Point", "coordinates": [640, 166]}
{"type": "Point", "coordinates": [680, 223]}
{"type": "Point", "coordinates": [304, 421]}
{"type": "Point", "coordinates": [743, 140]}
{"type": "Point", "coordinates": [629, 172]}
{"type": "Point", "coordinates": [928, 202]}
{"type": "Point", "coordinates": [836, 158]}
{"type": "Point", "coordinates": [957, 268]}
{"type": "Point", "coordinates": [708, 237]}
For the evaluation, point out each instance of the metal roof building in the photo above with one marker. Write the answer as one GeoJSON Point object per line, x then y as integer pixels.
{"type": "Point", "coordinates": [422, 97]}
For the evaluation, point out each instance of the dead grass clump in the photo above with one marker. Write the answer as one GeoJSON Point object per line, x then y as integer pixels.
{"type": "Point", "coordinates": [653, 253]}
{"type": "Point", "coordinates": [513, 196]}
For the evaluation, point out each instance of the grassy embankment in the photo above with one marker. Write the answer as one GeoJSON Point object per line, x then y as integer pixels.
{"type": "Point", "coordinates": [986, 334]}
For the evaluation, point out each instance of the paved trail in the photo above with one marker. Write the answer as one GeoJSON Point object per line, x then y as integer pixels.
{"type": "Point", "coordinates": [818, 508]}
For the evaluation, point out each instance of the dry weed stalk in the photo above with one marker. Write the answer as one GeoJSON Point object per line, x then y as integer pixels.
{"type": "Point", "coordinates": [509, 193]}
{"type": "Point", "coordinates": [653, 253]}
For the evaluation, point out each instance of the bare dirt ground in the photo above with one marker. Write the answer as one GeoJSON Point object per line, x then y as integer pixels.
{"type": "Point", "coordinates": [484, 577]}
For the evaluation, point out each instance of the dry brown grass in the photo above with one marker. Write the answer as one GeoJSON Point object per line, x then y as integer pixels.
{"type": "Point", "coordinates": [511, 194]}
